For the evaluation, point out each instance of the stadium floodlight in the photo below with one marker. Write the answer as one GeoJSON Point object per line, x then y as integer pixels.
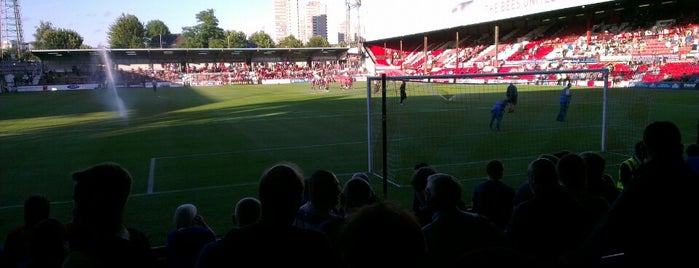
{"type": "Point", "coordinates": [444, 120]}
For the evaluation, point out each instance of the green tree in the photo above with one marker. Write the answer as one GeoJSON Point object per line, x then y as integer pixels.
{"type": "Point", "coordinates": [317, 41]}
{"type": "Point", "coordinates": [155, 30]}
{"type": "Point", "coordinates": [290, 42]}
{"type": "Point", "coordinates": [188, 38]}
{"type": "Point", "coordinates": [127, 32]}
{"type": "Point", "coordinates": [43, 27]}
{"type": "Point", "coordinates": [61, 39]}
{"type": "Point", "coordinates": [49, 37]}
{"type": "Point", "coordinates": [262, 39]}
{"type": "Point", "coordinates": [236, 39]}
{"type": "Point", "coordinates": [217, 43]}
{"type": "Point", "coordinates": [205, 34]}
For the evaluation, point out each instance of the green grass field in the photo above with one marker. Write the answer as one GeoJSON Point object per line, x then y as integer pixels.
{"type": "Point", "coordinates": [446, 125]}
{"type": "Point", "coordinates": [209, 145]}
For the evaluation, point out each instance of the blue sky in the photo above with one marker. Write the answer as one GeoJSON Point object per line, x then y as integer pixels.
{"type": "Point", "coordinates": [379, 18]}
{"type": "Point", "coordinates": [92, 18]}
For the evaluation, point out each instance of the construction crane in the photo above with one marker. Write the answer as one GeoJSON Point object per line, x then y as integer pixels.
{"type": "Point", "coordinates": [350, 5]}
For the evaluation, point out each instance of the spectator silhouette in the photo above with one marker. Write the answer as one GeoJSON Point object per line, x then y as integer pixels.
{"type": "Point", "coordinates": [493, 198]}
{"type": "Point", "coordinates": [524, 192]}
{"type": "Point", "coordinates": [573, 176]}
{"type": "Point", "coordinates": [48, 245]}
{"type": "Point", "coordinates": [356, 193]}
{"type": "Point", "coordinates": [655, 210]}
{"type": "Point", "coordinates": [324, 193]}
{"type": "Point", "coordinates": [560, 154]}
{"type": "Point", "coordinates": [495, 257]}
{"type": "Point", "coordinates": [382, 234]}
{"type": "Point", "coordinates": [552, 222]}
{"type": "Point", "coordinates": [419, 182]}
{"type": "Point", "coordinates": [364, 176]}
{"type": "Point", "coordinates": [417, 201]}
{"type": "Point", "coordinates": [361, 175]}
{"type": "Point", "coordinates": [599, 183]}
{"type": "Point", "coordinates": [453, 231]}
{"type": "Point", "coordinates": [273, 239]}
{"type": "Point", "coordinates": [319, 212]}
{"type": "Point", "coordinates": [189, 237]}
{"type": "Point", "coordinates": [247, 211]}
{"type": "Point", "coordinates": [692, 159]}
{"type": "Point", "coordinates": [16, 250]}
{"type": "Point", "coordinates": [99, 236]}
{"type": "Point", "coordinates": [628, 167]}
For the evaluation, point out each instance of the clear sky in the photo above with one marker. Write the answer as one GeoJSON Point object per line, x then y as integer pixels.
{"type": "Point", "coordinates": [92, 18]}
{"type": "Point", "coordinates": [379, 18]}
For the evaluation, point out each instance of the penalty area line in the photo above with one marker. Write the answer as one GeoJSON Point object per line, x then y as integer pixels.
{"type": "Point", "coordinates": [151, 170]}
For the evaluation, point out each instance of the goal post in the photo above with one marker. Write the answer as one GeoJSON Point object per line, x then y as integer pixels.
{"type": "Point", "coordinates": [444, 121]}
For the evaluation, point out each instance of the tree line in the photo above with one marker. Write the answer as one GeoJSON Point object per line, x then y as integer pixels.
{"type": "Point", "coordinates": [128, 31]}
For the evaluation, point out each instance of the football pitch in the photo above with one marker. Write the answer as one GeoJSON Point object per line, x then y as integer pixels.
{"type": "Point", "coordinates": [209, 145]}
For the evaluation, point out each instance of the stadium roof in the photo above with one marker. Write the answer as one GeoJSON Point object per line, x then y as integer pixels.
{"type": "Point", "coordinates": [566, 16]}
{"type": "Point", "coordinates": [165, 55]}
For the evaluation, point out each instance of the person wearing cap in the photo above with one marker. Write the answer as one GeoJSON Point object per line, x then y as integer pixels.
{"type": "Point", "coordinates": [98, 235]}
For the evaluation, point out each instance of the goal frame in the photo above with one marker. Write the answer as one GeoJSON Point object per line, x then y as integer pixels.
{"type": "Point", "coordinates": [383, 78]}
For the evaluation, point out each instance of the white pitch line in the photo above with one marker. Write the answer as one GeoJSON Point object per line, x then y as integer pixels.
{"type": "Point", "coordinates": [261, 150]}
{"type": "Point", "coordinates": [151, 170]}
{"type": "Point", "coordinates": [20, 206]}
{"type": "Point", "coordinates": [151, 176]}
{"type": "Point", "coordinates": [195, 189]}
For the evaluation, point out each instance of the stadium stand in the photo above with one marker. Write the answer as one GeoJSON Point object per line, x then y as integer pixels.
{"type": "Point", "coordinates": [623, 36]}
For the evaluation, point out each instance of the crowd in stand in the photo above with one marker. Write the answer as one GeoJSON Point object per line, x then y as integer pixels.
{"type": "Point", "coordinates": [567, 214]}
{"type": "Point", "coordinates": [207, 74]}
{"type": "Point", "coordinates": [637, 50]}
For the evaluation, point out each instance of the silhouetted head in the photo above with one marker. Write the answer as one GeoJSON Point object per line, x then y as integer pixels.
{"type": "Point", "coordinates": [443, 191]}
{"type": "Point", "coordinates": [692, 150]}
{"type": "Point", "coordinates": [572, 173]}
{"type": "Point", "coordinates": [419, 165]}
{"type": "Point", "coordinates": [495, 169]}
{"type": "Point", "coordinates": [663, 140]}
{"type": "Point", "coordinates": [542, 175]}
{"type": "Point", "coordinates": [419, 178]}
{"type": "Point", "coordinates": [324, 189]}
{"type": "Point", "coordinates": [184, 215]}
{"type": "Point", "coordinates": [639, 149]}
{"type": "Point", "coordinates": [100, 195]}
{"type": "Point", "coordinates": [47, 244]}
{"type": "Point", "coordinates": [594, 163]}
{"type": "Point", "coordinates": [356, 193]}
{"type": "Point", "coordinates": [361, 175]}
{"type": "Point", "coordinates": [281, 192]}
{"type": "Point", "coordinates": [382, 234]}
{"type": "Point", "coordinates": [247, 211]}
{"type": "Point", "coordinates": [36, 209]}
{"type": "Point", "coordinates": [552, 157]}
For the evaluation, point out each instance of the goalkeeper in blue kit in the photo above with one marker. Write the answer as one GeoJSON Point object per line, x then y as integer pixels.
{"type": "Point", "coordinates": [497, 112]}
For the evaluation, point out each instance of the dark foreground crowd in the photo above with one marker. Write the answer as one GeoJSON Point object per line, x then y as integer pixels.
{"type": "Point", "coordinates": [568, 214]}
